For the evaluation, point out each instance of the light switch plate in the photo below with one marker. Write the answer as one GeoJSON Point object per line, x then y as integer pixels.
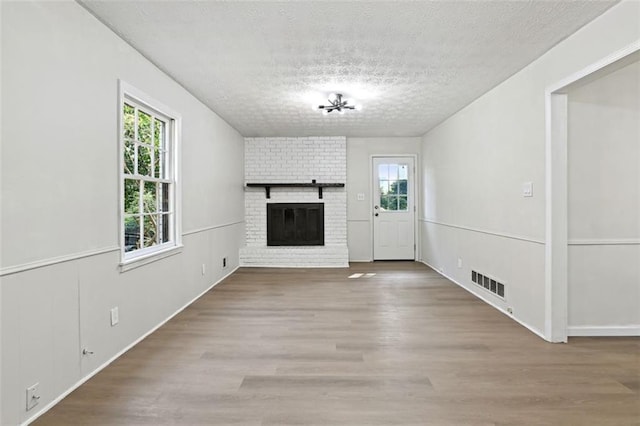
{"type": "Point", "coordinates": [360, 196]}
{"type": "Point", "coordinates": [115, 316]}
{"type": "Point", "coordinates": [527, 189]}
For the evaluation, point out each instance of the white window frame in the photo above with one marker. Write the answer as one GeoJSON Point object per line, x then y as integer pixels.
{"type": "Point", "coordinates": [139, 257]}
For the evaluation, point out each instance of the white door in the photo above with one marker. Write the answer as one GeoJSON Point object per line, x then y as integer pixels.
{"type": "Point", "coordinates": [393, 208]}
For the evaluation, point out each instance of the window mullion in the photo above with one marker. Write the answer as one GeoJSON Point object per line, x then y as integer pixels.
{"type": "Point", "coordinates": [141, 212]}
{"type": "Point", "coordinates": [152, 148]}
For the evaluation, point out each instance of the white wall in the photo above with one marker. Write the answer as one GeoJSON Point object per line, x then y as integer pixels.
{"type": "Point", "coordinates": [474, 165]}
{"type": "Point", "coordinates": [60, 276]}
{"type": "Point", "coordinates": [359, 152]}
{"type": "Point", "coordinates": [604, 203]}
{"type": "Point", "coordinates": [296, 160]}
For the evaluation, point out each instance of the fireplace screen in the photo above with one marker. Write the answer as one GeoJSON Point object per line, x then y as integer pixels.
{"type": "Point", "coordinates": [295, 224]}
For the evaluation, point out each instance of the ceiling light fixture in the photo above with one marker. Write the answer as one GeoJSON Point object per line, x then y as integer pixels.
{"type": "Point", "coordinates": [336, 103]}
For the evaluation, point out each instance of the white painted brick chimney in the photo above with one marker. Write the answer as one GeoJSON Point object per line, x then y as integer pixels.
{"type": "Point", "coordinates": [296, 160]}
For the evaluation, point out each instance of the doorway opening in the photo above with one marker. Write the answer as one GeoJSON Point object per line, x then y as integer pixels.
{"type": "Point", "coordinates": [557, 246]}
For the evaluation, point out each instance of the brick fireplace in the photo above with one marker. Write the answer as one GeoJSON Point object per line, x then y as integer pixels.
{"type": "Point", "coordinates": [295, 160]}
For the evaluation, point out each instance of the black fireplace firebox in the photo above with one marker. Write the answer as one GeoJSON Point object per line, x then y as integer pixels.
{"type": "Point", "coordinates": [295, 224]}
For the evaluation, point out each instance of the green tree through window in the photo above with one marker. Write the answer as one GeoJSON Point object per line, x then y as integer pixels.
{"type": "Point", "coordinates": [148, 182]}
{"type": "Point", "coordinates": [393, 187]}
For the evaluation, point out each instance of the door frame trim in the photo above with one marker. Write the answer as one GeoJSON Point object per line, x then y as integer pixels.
{"type": "Point", "coordinates": [414, 190]}
{"type": "Point", "coordinates": [556, 216]}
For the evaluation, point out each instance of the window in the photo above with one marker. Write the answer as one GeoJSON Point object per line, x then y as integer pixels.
{"type": "Point", "coordinates": [149, 175]}
{"type": "Point", "coordinates": [392, 179]}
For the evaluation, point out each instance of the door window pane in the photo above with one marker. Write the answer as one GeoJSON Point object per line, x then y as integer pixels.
{"type": "Point", "coordinates": [393, 171]}
{"type": "Point", "coordinates": [402, 203]}
{"type": "Point", "coordinates": [402, 187]}
{"type": "Point", "coordinates": [383, 171]}
{"type": "Point", "coordinates": [393, 203]}
{"type": "Point", "coordinates": [402, 171]}
{"type": "Point", "coordinates": [393, 183]}
{"type": "Point", "coordinates": [393, 187]}
{"type": "Point", "coordinates": [384, 202]}
{"type": "Point", "coordinates": [384, 187]}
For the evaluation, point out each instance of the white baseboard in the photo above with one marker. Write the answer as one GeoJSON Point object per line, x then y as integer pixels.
{"type": "Point", "coordinates": [489, 302]}
{"type": "Point", "coordinates": [604, 331]}
{"type": "Point", "coordinates": [119, 354]}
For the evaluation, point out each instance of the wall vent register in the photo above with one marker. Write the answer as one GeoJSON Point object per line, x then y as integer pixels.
{"type": "Point", "coordinates": [488, 283]}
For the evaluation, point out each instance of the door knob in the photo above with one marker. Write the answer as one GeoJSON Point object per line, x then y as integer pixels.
{"type": "Point", "coordinates": [375, 207]}
{"type": "Point", "coordinates": [376, 214]}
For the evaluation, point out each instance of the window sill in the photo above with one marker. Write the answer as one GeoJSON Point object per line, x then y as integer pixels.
{"type": "Point", "coordinates": [146, 259]}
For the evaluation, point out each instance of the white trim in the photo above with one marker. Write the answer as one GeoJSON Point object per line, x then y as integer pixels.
{"type": "Point", "coordinates": [484, 231]}
{"type": "Point", "coordinates": [556, 213]}
{"type": "Point", "coordinates": [119, 354]}
{"type": "Point", "coordinates": [147, 100]}
{"type": "Point", "coordinates": [489, 302]}
{"type": "Point", "coordinates": [209, 228]}
{"type": "Point", "coordinates": [143, 253]}
{"type": "Point", "coordinates": [605, 242]}
{"type": "Point", "coordinates": [559, 86]}
{"type": "Point", "coordinates": [127, 92]}
{"type": "Point", "coordinates": [604, 331]}
{"type": "Point", "coordinates": [55, 260]}
{"type": "Point", "coordinates": [417, 252]}
{"type": "Point", "coordinates": [556, 221]}
{"type": "Point", "coordinates": [150, 257]}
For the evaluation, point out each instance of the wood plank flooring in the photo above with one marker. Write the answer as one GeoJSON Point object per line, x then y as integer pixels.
{"type": "Point", "coordinates": [313, 347]}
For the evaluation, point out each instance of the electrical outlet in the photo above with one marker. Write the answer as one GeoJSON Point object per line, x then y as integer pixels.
{"type": "Point", "coordinates": [510, 310]}
{"type": "Point", "coordinates": [527, 189]}
{"type": "Point", "coordinates": [459, 262]}
{"type": "Point", "coordinates": [33, 396]}
{"type": "Point", "coordinates": [203, 269]}
{"type": "Point", "coordinates": [224, 262]}
{"type": "Point", "coordinates": [115, 316]}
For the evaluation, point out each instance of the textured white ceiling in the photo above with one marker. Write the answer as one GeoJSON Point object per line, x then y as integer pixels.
{"type": "Point", "coordinates": [261, 65]}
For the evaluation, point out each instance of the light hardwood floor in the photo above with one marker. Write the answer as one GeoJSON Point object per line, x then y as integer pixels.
{"type": "Point", "coordinates": [312, 347]}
